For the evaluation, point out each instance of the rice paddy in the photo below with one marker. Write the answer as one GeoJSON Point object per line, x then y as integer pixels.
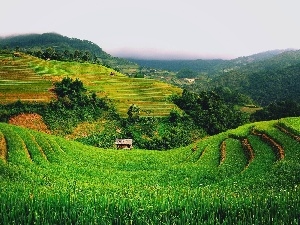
{"type": "Point", "coordinates": [45, 179]}
{"type": "Point", "coordinates": [28, 78]}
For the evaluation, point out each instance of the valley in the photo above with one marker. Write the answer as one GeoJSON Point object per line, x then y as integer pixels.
{"type": "Point", "coordinates": [223, 149]}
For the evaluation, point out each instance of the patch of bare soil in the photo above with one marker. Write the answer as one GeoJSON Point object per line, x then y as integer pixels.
{"type": "Point", "coordinates": [3, 148]}
{"type": "Point", "coordinates": [30, 120]}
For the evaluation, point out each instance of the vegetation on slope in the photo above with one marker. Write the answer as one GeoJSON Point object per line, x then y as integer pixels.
{"type": "Point", "coordinates": [210, 67]}
{"type": "Point", "coordinates": [210, 111]}
{"type": "Point", "coordinates": [264, 77]}
{"type": "Point", "coordinates": [150, 95]}
{"type": "Point", "coordinates": [275, 79]}
{"type": "Point", "coordinates": [76, 108]}
{"type": "Point", "coordinates": [46, 179]}
{"type": "Point", "coordinates": [57, 47]}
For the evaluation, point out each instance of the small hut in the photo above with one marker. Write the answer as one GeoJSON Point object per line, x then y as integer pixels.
{"type": "Point", "coordinates": [16, 54]}
{"type": "Point", "coordinates": [124, 143]}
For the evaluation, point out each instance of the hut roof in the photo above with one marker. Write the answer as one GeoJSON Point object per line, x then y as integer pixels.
{"type": "Point", "coordinates": [123, 141]}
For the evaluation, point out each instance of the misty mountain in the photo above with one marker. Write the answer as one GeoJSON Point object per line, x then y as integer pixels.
{"type": "Point", "coordinates": [40, 42]}
{"type": "Point", "coordinates": [267, 80]}
{"type": "Point", "coordinates": [208, 67]}
{"type": "Point", "coordinates": [57, 41]}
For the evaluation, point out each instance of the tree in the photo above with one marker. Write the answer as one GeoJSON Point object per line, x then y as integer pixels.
{"type": "Point", "coordinates": [186, 73]}
{"type": "Point", "coordinates": [49, 53]}
{"type": "Point", "coordinates": [277, 110]}
{"type": "Point", "coordinates": [210, 112]}
{"type": "Point", "coordinates": [69, 88]}
{"type": "Point", "coordinates": [133, 112]}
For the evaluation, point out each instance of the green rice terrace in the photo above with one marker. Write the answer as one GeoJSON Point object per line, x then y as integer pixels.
{"type": "Point", "coordinates": [249, 175]}
{"type": "Point", "coordinates": [27, 78]}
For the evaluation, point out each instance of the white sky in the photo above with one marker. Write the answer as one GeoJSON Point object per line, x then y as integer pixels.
{"type": "Point", "coordinates": [162, 28]}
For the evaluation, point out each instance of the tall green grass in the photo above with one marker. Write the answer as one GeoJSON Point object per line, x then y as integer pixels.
{"type": "Point", "coordinates": [79, 184]}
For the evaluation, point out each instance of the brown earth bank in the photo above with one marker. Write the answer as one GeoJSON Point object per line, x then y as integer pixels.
{"type": "Point", "coordinates": [30, 120]}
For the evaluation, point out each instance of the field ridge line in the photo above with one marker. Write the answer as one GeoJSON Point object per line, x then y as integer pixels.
{"type": "Point", "coordinates": [222, 148]}
{"type": "Point", "coordinates": [287, 132]}
{"type": "Point", "coordinates": [278, 149]}
{"type": "Point", "coordinates": [3, 148]}
{"type": "Point", "coordinates": [39, 147]}
{"type": "Point", "coordinates": [248, 151]}
{"type": "Point", "coordinates": [202, 153]}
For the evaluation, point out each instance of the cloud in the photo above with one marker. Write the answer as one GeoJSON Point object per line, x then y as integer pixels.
{"type": "Point", "coordinates": [199, 28]}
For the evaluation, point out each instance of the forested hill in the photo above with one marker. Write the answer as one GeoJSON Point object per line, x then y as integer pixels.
{"type": "Point", "coordinates": [273, 79]}
{"type": "Point", "coordinates": [59, 47]}
{"type": "Point", "coordinates": [200, 65]}
{"type": "Point", "coordinates": [265, 77]}
{"type": "Point", "coordinates": [57, 41]}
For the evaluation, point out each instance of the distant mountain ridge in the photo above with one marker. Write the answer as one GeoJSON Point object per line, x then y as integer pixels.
{"type": "Point", "coordinates": [265, 77]}
{"type": "Point", "coordinates": [271, 79]}
{"type": "Point", "coordinates": [206, 66]}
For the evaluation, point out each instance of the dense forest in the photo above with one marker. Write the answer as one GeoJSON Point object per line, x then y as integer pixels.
{"type": "Point", "coordinates": [266, 81]}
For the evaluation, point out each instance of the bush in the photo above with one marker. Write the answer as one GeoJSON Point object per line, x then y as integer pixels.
{"type": "Point", "coordinates": [210, 112]}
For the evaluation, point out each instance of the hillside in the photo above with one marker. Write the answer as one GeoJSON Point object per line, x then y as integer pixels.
{"type": "Point", "coordinates": [248, 175]}
{"type": "Point", "coordinates": [28, 78]}
{"type": "Point", "coordinates": [46, 40]}
{"type": "Point", "coordinates": [264, 77]}
{"type": "Point", "coordinates": [265, 81]}
{"type": "Point", "coordinates": [64, 46]}
{"type": "Point", "coordinates": [210, 67]}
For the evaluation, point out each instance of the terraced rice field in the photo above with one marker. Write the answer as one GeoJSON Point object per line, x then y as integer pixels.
{"type": "Point", "coordinates": [249, 175]}
{"type": "Point", "coordinates": [150, 95]}
{"type": "Point", "coordinates": [30, 79]}
{"type": "Point", "coordinates": [19, 81]}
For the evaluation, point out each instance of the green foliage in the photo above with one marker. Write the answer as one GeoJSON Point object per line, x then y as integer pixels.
{"type": "Point", "coordinates": [104, 138]}
{"type": "Point", "coordinates": [162, 133]}
{"type": "Point", "coordinates": [133, 113]}
{"type": "Point", "coordinates": [210, 112]}
{"type": "Point", "coordinates": [18, 107]}
{"type": "Point", "coordinates": [265, 77]}
{"type": "Point", "coordinates": [147, 132]}
{"type": "Point", "coordinates": [73, 109]}
{"type": "Point", "coordinates": [265, 81]}
{"type": "Point", "coordinates": [186, 73]}
{"type": "Point", "coordinates": [73, 106]}
{"type": "Point", "coordinates": [277, 110]}
{"type": "Point", "coordinates": [57, 47]}
{"type": "Point", "coordinates": [233, 97]}
{"type": "Point", "coordinates": [69, 88]}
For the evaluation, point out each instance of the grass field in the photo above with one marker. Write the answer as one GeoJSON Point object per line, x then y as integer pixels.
{"type": "Point", "coordinates": [28, 78]}
{"type": "Point", "coordinates": [249, 175]}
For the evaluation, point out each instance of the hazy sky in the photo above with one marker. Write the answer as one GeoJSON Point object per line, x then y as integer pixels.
{"type": "Point", "coordinates": [162, 28]}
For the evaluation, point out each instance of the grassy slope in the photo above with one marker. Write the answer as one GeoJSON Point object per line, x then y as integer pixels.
{"type": "Point", "coordinates": [208, 184]}
{"type": "Point", "coordinates": [29, 78]}
{"type": "Point", "coordinates": [19, 81]}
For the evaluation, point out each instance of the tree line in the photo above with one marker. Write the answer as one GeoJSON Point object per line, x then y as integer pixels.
{"type": "Point", "coordinates": [199, 114]}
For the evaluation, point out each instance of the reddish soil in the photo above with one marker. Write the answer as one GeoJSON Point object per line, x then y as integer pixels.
{"type": "Point", "coordinates": [278, 149]}
{"type": "Point", "coordinates": [222, 152]}
{"type": "Point", "coordinates": [3, 148]}
{"type": "Point", "coordinates": [30, 120]}
{"type": "Point", "coordinates": [249, 152]}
